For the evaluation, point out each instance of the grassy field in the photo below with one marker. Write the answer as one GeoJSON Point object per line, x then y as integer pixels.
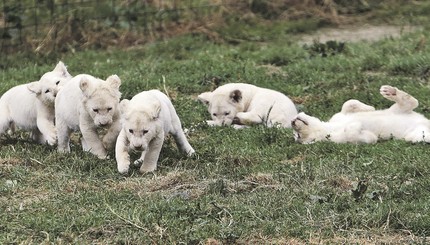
{"type": "Point", "coordinates": [243, 186]}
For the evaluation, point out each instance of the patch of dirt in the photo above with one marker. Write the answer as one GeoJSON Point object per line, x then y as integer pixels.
{"type": "Point", "coordinates": [24, 198]}
{"type": "Point", "coordinates": [10, 161]}
{"type": "Point", "coordinates": [357, 33]}
{"type": "Point", "coordinates": [403, 237]}
{"type": "Point", "coordinates": [186, 185]}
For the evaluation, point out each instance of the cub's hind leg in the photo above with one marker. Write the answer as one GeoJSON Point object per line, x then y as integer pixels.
{"type": "Point", "coordinates": [37, 136]}
{"type": "Point", "coordinates": [405, 103]}
{"type": "Point", "coordinates": [248, 118]}
{"type": "Point", "coordinates": [12, 128]}
{"type": "Point", "coordinates": [179, 136]}
{"type": "Point", "coordinates": [6, 123]}
{"type": "Point", "coordinates": [352, 106]}
{"type": "Point", "coordinates": [419, 134]}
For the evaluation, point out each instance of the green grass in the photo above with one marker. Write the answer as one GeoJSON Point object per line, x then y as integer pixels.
{"type": "Point", "coordinates": [243, 186]}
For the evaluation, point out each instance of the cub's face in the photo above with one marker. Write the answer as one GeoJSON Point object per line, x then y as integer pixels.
{"type": "Point", "coordinates": [140, 129]}
{"type": "Point", "coordinates": [222, 110]}
{"type": "Point", "coordinates": [101, 99]}
{"type": "Point", "coordinates": [223, 107]}
{"type": "Point", "coordinates": [308, 129]}
{"type": "Point", "coordinates": [102, 109]}
{"type": "Point", "coordinates": [50, 83]}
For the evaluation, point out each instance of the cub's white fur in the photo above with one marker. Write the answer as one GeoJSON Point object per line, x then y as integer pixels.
{"type": "Point", "coordinates": [89, 104]}
{"type": "Point", "coordinates": [31, 106]}
{"type": "Point", "coordinates": [146, 119]}
{"type": "Point", "coordinates": [240, 103]}
{"type": "Point", "coordinates": [361, 123]}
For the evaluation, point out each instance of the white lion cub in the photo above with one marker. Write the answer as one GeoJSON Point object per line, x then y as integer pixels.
{"type": "Point", "coordinates": [31, 106]}
{"type": "Point", "coordinates": [146, 119]}
{"type": "Point", "coordinates": [87, 104]}
{"type": "Point", "coordinates": [361, 123]}
{"type": "Point", "coordinates": [246, 104]}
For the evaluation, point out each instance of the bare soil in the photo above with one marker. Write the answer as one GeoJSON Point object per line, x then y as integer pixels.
{"type": "Point", "coordinates": [357, 33]}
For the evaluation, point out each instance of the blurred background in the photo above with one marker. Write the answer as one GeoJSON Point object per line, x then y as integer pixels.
{"type": "Point", "coordinates": [44, 26]}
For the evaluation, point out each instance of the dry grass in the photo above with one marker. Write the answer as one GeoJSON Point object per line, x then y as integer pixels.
{"type": "Point", "coordinates": [75, 33]}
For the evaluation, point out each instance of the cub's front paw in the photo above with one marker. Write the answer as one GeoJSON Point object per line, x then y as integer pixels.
{"type": "Point", "coordinates": [103, 156]}
{"type": "Point", "coordinates": [237, 121]}
{"type": "Point", "coordinates": [190, 152]}
{"type": "Point", "coordinates": [123, 168]}
{"type": "Point", "coordinates": [51, 139]}
{"type": "Point", "coordinates": [211, 123]}
{"type": "Point", "coordinates": [237, 126]}
{"type": "Point", "coordinates": [388, 91]}
{"type": "Point", "coordinates": [138, 162]}
{"type": "Point", "coordinates": [146, 168]}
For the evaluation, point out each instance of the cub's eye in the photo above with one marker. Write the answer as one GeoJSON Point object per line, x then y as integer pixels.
{"type": "Point", "coordinates": [145, 131]}
{"type": "Point", "coordinates": [227, 113]}
{"type": "Point", "coordinates": [47, 91]}
{"type": "Point", "coordinates": [96, 110]}
{"type": "Point", "coordinates": [58, 82]}
{"type": "Point", "coordinates": [109, 108]}
{"type": "Point", "coordinates": [214, 114]}
{"type": "Point", "coordinates": [131, 131]}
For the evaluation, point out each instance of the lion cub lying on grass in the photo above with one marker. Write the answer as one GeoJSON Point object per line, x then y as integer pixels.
{"type": "Point", "coordinates": [88, 104]}
{"type": "Point", "coordinates": [361, 123]}
{"type": "Point", "coordinates": [240, 103]}
{"type": "Point", "coordinates": [31, 106]}
{"type": "Point", "coordinates": [146, 119]}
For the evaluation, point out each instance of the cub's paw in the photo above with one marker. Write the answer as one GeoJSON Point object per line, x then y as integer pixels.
{"type": "Point", "coordinates": [236, 126]}
{"type": "Point", "coordinates": [51, 142]}
{"type": "Point", "coordinates": [51, 139]}
{"type": "Point", "coordinates": [138, 162]}
{"type": "Point", "coordinates": [63, 149]}
{"type": "Point", "coordinates": [352, 106]}
{"type": "Point", "coordinates": [103, 156]}
{"type": "Point", "coordinates": [388, 92]}
{"type": "Point", "coordinates": [123, 168]}
{"type": "Point", "coordinates": [237, 121]}
{"type": "Point", "coordinates": [146, 168]}
{"type": "Point", "coordinates": [211, 123]}
{"type": "Point", "coordinates": [190, 152]}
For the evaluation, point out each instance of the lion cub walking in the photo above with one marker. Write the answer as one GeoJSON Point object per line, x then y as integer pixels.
{"type": "Point", "coordinates": [31, 106]}
{"type": "Point", "coordinates": [241, 103]}
{"type": "Point", "coordinates": [89, 104]}
{"type": "Point", "coordinates": [146, 119]}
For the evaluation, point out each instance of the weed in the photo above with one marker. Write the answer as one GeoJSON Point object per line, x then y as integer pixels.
{"type": "Point", "coordinates": [329, 48]}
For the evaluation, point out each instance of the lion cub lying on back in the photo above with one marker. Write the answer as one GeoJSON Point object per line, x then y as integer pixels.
{"type": "Point", "coordinates": [361, 123]}
{"type": "Point", "coordinates": [146, 119]}
{"type": "Point", "coordinates": [240, 103]}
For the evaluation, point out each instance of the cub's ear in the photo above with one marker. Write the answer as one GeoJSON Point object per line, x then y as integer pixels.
{"type": "Point", "coordinates": [236, 96]}
{"type": "Point", "coordinates": [156, 112]}
{"type": "Point", "coordinates": [61, 68]}
{"type": "Point", "coordinates": [114, 82]}
{"type": "Point", "coordinates": [85, 85]}
{"type": "Point", "coordinates": [34, 87]}
{"type": "Point", "coordinates": [205, 97]}
{"type": "Point", "coordinates": [123, 105]}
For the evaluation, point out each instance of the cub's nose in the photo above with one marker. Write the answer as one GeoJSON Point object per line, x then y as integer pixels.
{"type": "Point", "coordinates": [138, 147]}
{"type": "Point", "coordinates": [103, 124]}
{"type": "Point", "coordinates": [293, 122]}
